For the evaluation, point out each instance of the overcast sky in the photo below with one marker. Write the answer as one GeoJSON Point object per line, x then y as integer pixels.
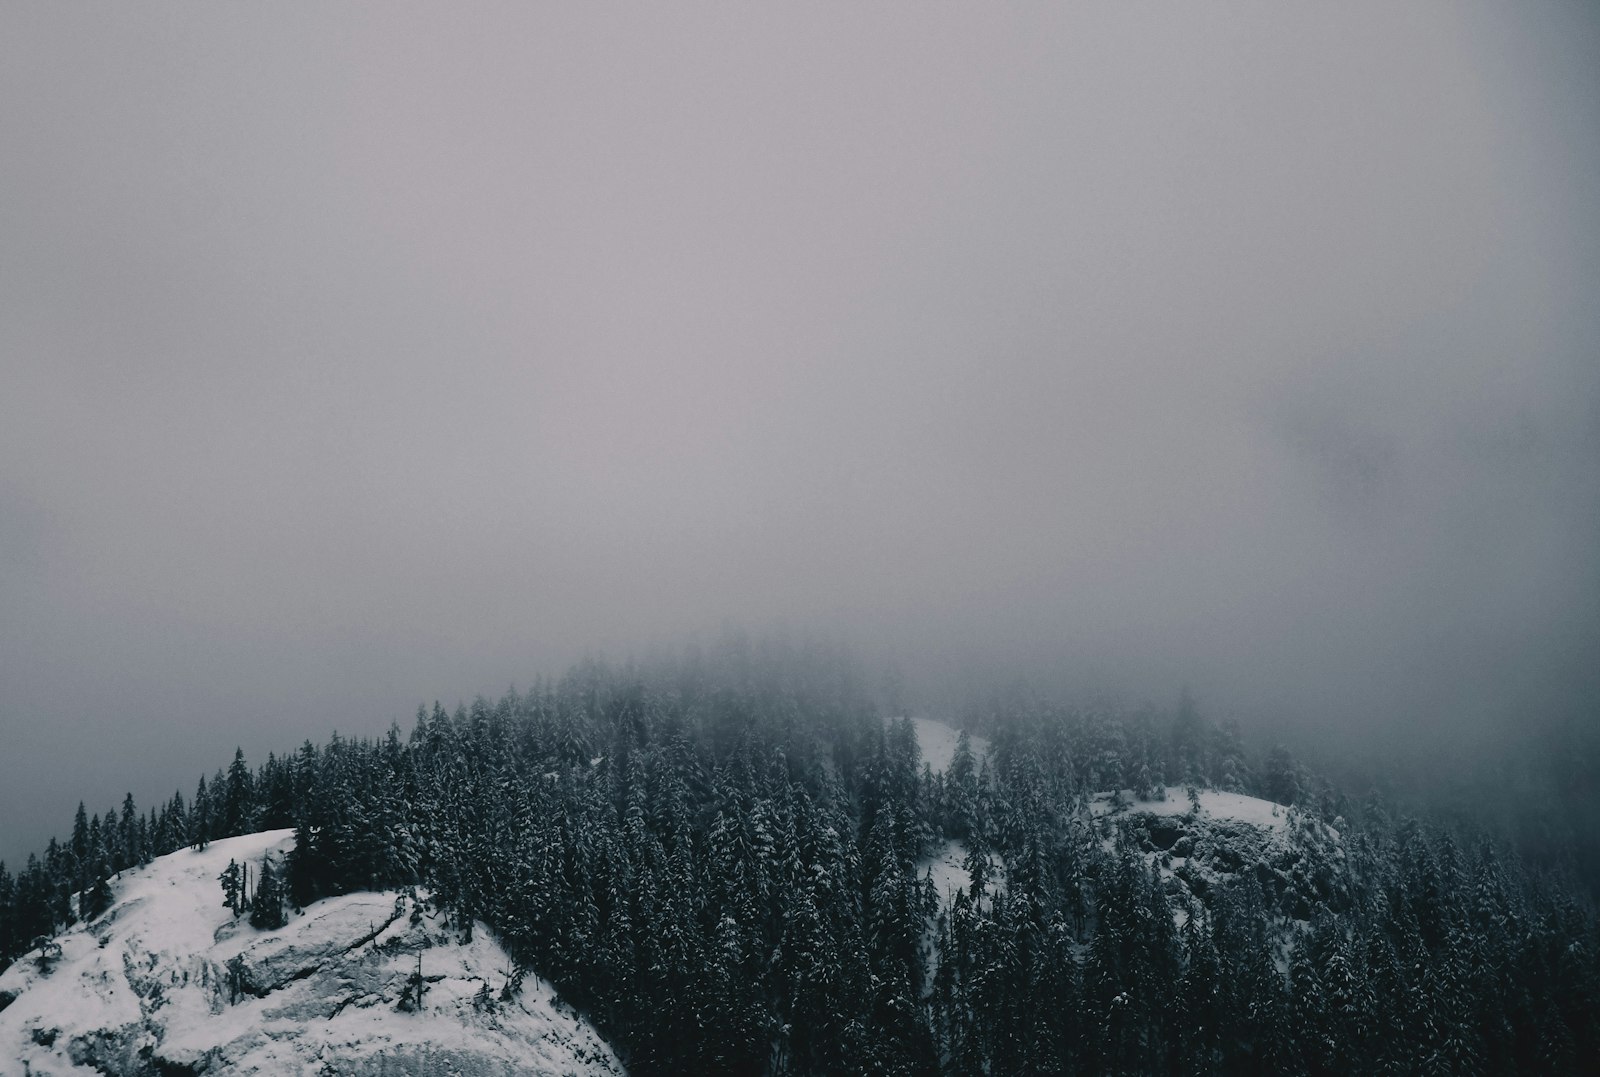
{"type": "Point", "coordinates": [352, 357]}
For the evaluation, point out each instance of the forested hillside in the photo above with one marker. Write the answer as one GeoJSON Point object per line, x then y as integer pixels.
{"type": "Point", "coordinates": [725, 862]}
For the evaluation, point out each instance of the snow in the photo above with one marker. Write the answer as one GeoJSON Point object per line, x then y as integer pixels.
{"type": "Point", "coordinates": [149, 983]}
{"type": "Point", "coordinates": [948, 869]}
{"type": "Point", "coordinates": [1296, 858]}
{"type": "Point", "coordinates": [938, 743]}
{"type": "Point", "coordinates": [947, 865]}
{"type": "Point", "coordinates": [1213, 803]}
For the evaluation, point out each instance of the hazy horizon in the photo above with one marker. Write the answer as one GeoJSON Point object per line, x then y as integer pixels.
{"type": "Point", "coordinates": [361, 357]}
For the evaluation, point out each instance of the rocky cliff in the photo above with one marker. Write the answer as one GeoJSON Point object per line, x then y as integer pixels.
{"type": "Point", "coordinates": [169, 981]}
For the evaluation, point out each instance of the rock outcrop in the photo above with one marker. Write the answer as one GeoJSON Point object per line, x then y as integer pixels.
{"type": "Point", "coordinates": [168, 981]}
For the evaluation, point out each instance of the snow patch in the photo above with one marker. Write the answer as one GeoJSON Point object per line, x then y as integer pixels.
{"type": "Point", "coordinates": [948, 869]}
{"type": "Point", "coordinates": [938, 743]}
{"type": "Point", "coordinates": [1214, 803]}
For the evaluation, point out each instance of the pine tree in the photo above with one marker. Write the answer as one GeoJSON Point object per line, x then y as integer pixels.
{"type": "Point", "coordinates": [232, 879]}
{"type": "Point", "coordinates": [238, 798]}
{"type": "Point", "coordinates": [1281, 782]}
{"type": "Point", "coordinates": [200, 817]}
{"type": "Point", "coordinates": [96, 897]}
{"type": "Point", "coordinates": [132, 836]}
{"type": "Point", "coordinates": [78, 851]}
{"type": "Point", "coordinates": [1188, 741]}
{"type": "Point", "coordinates": [266, 908]}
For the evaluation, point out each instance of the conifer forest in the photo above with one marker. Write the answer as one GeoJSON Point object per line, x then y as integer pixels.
{"type": "Point", "coordinates": [724, 862]}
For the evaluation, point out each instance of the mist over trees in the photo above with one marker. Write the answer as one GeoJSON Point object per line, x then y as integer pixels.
{"type": "Point", "coordinates": [1055, 357]}
{"type": "Point", "coordinates": [723, 860]}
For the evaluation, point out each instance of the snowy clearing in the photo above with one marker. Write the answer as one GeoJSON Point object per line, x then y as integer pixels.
{"type": "Point", "coordinates": [938, 743]}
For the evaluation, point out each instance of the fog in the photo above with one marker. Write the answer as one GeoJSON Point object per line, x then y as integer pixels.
{"type": "Point", "coordinates": [357, 357]}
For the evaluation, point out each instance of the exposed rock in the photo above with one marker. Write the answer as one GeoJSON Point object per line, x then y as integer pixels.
{"type": "Point", "coordinates": [1294, 858]}
{"type": "Point", "coordinates": [166, 982]}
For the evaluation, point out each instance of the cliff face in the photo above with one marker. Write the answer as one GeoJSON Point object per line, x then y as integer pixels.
{"type": "Point", "coordinates": [168, 981]}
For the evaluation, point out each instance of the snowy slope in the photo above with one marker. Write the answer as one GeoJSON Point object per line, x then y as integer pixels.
{"type": "Point", "coordinates": [947, 868]}
{"type": "Point", "coordinates": [938, 743]}
{"type": "Point", "coordinates": [147, 989]}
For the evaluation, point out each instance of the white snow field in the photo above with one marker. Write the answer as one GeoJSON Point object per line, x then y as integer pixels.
{"type": "Point", "coordinates": [938, 743]}
{"type": "Point", "coordinates": [147, 988]}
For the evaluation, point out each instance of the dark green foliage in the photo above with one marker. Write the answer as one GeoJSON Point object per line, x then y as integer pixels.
{"type": "Point", "coordinates": [238, 799]}
{"type": "Point", "coordinates": [97, 899]}
{"type": "Point", "coordinates": [722, 863]}
{"type": "Point", "coordinates": [232, 880]}
{"type": "Point", "coordinates": [266, 908]}
{"type": "Point", "coordinates": [1281, 781]}
{"type": "Point", "coordinates": [201, 819]}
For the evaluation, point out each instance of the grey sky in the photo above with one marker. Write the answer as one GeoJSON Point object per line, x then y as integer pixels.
{"type": "Point", "coordinates": [356, 356]}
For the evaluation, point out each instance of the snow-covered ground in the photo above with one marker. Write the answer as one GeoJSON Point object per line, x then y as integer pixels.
{"type": "Point", "coordinates": [938, 743]}
{"type": "Point", "coordinates": [1214, 804]}
{"type": "Point", "coordinates": [948, 869]}
{"type": "Point", "coordinates": [167, 980]}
